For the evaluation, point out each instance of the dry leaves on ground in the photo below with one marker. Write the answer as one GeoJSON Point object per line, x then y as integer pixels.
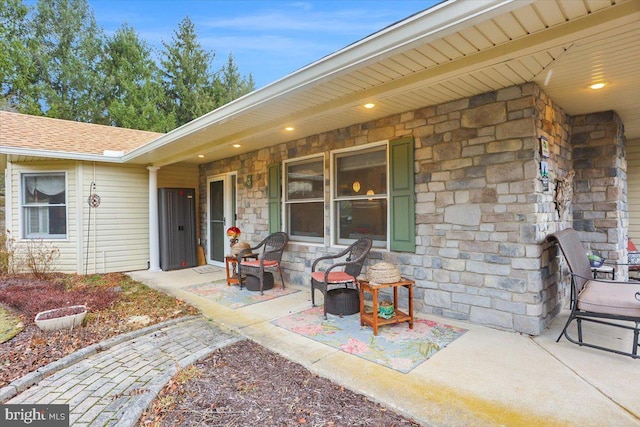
{"type": "Point", "coordinates": [245, 384]}
{"type": "Point", "coordinates": [239, 385]}
{"type": "Point", "coordinates": [118, 300]}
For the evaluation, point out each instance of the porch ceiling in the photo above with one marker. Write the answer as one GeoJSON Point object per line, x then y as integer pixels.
{"type": "Point", "coordinates": [451, 51]}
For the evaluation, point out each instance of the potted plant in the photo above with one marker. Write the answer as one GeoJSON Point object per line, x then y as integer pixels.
{"type": "Point", "coordinates": [386, 309]}
{"type": "Point", "coordinates": [61, 318]}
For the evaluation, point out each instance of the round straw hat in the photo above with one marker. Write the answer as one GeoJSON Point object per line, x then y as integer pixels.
{"type": "Point", "coordinates": [383, 272]}
{"type": "Point", "coordinates": [239, 247]}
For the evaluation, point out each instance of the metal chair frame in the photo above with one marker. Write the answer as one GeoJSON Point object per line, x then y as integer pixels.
{"type": "Point", "coordinates": [580, 270]}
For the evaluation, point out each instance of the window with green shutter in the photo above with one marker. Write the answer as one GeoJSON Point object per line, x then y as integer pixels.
{"type": "Point", "coordinates": [372, 194]}
{"type": "Point", "coordinates": [304, 199]}
{"type": "Point", "coordinates": [360, 196]}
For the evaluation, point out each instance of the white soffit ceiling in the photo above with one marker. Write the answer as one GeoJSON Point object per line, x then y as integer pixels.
{"type": "Point", "coordinates": [562, 45]}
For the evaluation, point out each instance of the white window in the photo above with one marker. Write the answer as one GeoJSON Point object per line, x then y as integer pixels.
{"type": "Point", "coordinates": [304, 199]}
{"type": "Point", "coordinates": [360, 195]}
{"type": "Point", "coordinates": [44, 206]}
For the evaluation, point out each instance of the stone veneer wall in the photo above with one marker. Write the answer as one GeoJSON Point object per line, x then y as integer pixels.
{"type": "Point", "coordinates": [481, 214]}
{"type": "Point", "coordinates": [600, 210]}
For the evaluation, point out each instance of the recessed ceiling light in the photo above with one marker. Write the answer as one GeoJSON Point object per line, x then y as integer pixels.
{"type": "Point", "coordinates": [289, 128]}
{"type": "Point", "coordinates": [201, 156]}
{"type": "Point", "coordinates": [597, 86]}
{"type": "Point", "coordinates": [237, 145]}
{"type": "Point", "coordinates": [369, 105]}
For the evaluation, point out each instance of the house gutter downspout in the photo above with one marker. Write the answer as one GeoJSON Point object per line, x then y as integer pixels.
{"type": "Point", "coordinates": [154, 233]}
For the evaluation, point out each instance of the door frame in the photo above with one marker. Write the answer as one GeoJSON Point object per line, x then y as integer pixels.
{"type": "Point", "coordinates": [230, 200]}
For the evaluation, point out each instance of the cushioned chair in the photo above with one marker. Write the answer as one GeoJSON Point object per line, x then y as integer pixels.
{"type": "Point", "coordinates": [339, 274]}
{"type": "Point", "coordinates": [269, 253]}
{"type": "Point", "coordinates": [596, 300]}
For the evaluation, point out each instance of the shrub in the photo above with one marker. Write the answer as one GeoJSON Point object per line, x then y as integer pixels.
{"type": "Point", "coordinates": [6, 253]}
{"type": "Point", "coordinates": [31, 297]}
{"type": "Point", "coordinates": [36, 257]}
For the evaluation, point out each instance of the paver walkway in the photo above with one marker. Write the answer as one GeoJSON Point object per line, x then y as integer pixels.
{"type": "Point", "coordinates": [113, 386]}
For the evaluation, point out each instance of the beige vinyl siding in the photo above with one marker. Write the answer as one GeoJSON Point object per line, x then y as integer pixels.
{"type": "Point", "coordinates": [633, 189]}
{"type": "Point", "coordinates": [67, 261]}
{"type": "Point", "coordinates": [119, 228]}
{"type": "Point", "coordinates": [182, 176]}
{"type": "Point", "coordinates": [114, 237]}
{"type": "Point", "coordinates": [116, 233]}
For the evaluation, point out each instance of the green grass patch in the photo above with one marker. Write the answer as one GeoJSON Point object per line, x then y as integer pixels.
{"type": "Point", "coordinates": [10, 324]}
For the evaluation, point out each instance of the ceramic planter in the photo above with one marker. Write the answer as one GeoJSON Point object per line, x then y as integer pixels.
{"type": "Point", "coordinates": [385, 309]}
{"type": "Point", "coordinates": [61, 318]}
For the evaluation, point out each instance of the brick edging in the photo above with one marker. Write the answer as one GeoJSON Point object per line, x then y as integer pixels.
{"type": "Point", "coordinates": [21, 384]}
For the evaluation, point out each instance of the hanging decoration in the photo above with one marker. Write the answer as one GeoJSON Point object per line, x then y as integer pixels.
{"type": "Point", "coordinates": [94, 199]}
{"type": "Point", "coordinates": [544, 167]}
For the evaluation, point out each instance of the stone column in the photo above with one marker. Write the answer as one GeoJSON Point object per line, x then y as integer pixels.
{"type": "Point", "coordinates": [600, 189]}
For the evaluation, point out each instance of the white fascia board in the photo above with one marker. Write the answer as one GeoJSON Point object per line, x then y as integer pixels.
{"type": "Point", "coordinates": [11, 151]}
{"type": "Point", "coordinates": [414, 29]}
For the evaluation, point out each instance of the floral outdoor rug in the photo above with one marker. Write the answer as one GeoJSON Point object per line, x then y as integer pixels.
{"type": "Point", "coordinates": [396, 346]}
{"type": "Point", "coordinates": [234, 297]}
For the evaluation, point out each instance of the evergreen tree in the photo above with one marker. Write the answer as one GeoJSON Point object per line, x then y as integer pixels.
{"type": "Point", "coordinates": [229, 84]}
{"type": "Point", "coordinates": [135, 93]}
{"type": "Point", "coordinates": [55, 61]}
{"type": "Point", "coordinates": [188, 82]}
{"type": "Point", "coordinates": [68, 49]}
{"type": "Point", "coordinates": [16, 66]}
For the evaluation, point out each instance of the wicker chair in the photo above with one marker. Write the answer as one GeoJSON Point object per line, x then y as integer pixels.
{"type": "Point", "coordinates": [340, 274]}
{"type": "Point", "coordinates": [269, 258]}
{"type": "Point", "coordinates": [605, 302]}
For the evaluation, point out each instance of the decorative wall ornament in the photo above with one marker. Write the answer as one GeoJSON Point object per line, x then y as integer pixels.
{"type": "Point", "coordinates": [564, 193]}
{"type": "Point", "coordinates": [544, 147]}
{"type": "Point", "coordinates": [544, 175]}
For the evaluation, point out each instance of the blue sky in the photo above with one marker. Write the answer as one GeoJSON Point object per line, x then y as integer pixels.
{"type": "Point", "coordinates": [268, 39]}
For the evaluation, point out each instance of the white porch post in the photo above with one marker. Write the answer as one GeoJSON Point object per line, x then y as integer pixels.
{"type": "Point", "coordinates": [154, 234]}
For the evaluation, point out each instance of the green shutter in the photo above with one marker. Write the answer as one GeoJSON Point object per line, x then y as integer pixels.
{"type": "Point", "coordinates": [402, 195]}
{"type": "Point", "coordinates": [273, 190]}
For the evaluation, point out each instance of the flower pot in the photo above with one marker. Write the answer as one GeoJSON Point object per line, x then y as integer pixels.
{"type": "Point", "coordinates": [61, 318]}
{"type": "Point", "coordinates": [385, 309]}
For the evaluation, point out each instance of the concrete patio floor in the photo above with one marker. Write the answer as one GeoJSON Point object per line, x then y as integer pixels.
{"type": "Point", "coordinates": [487, 377]}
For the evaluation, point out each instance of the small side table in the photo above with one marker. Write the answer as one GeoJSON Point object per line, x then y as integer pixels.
{"type": "Point", "coordinates": [231, 267]}
{"type": "Point", "coordinates": [606, 270]}
{"type": "Point", "coordinates": [372, 318]}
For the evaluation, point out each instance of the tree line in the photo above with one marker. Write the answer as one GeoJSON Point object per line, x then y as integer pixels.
{"type": "Point", "coordinates": [55, 61]}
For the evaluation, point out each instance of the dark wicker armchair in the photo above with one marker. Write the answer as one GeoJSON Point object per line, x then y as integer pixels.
{"type": "Point", "coordinates": [269, 253]}
{"type": "Point", "coordinates": [340, 274]}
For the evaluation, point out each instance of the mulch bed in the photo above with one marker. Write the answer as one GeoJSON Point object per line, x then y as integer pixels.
{"type": "Point", "coordinates": [239, 385]}
{"type": "Point", "coordinates": [113, 300]}
{"type": "Point", "coordinates": [246, 384]}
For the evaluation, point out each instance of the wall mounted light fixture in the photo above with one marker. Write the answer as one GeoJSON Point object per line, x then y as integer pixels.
{"type": "Point", "coordinates": [249, 181]}
{"type": "Point", "coordinates": [356, 186]}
